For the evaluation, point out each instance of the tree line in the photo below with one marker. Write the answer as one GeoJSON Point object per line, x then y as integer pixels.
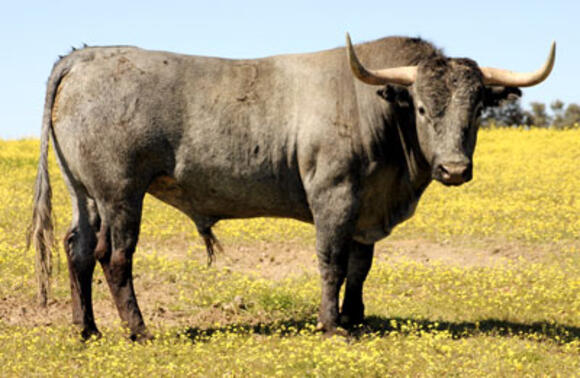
{"type": "Point", "coordinates": [511, 113]}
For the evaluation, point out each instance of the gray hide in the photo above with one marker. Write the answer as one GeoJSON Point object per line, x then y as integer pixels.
{"type": "Point", "coordinates": [287, 136]}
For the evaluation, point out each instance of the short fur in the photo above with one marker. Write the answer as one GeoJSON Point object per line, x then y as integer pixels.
{"type": "Point", "coordinates": [286, 136]}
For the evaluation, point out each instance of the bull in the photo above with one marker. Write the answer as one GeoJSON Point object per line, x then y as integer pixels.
{"type": "Point", "coordinates": [315, 137]}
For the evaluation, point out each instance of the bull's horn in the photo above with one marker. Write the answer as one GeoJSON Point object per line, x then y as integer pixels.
{"type": "Point", "coordinates": [497, 76]}
{"type": "Point", "coordinates": [398, 75]}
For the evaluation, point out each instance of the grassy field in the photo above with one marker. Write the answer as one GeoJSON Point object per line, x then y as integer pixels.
{"type": "Point", "coordinates": [484, 280]}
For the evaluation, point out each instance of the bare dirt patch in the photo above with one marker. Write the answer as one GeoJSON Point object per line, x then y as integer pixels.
{"type": "Point", "coordinates": [277, 261]}
{"type": "Point", "coordinates": [269, 260]}
{"type": "Point", "coordinates": [458, 254]}
{"type": "Point", "coordinates": [469, 252]}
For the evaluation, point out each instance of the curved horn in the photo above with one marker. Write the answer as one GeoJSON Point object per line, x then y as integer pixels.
{"type": "Point", "coordinates": [498, 76]}
{"type": "Point", "coordinates": [404, 75]}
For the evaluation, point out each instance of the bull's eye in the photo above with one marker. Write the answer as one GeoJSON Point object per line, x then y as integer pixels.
{"type": "Point", "coordinates": [478, 111]}
{"type": "Point", "coordinates": [421, 110]}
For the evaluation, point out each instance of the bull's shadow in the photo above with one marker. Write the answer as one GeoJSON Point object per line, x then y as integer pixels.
{"type": "Point", "coordinates": [381, 326]}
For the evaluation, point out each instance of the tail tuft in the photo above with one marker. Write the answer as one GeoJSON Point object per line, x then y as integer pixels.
{"type": "Point", "coordinates": [41, 232]}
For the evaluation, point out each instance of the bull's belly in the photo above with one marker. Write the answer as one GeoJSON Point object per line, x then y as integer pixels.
{"type": "Point", "coordinates": [229, 201]}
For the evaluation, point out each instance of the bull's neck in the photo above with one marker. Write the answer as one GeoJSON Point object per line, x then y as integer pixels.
{"type": "Point", "coordinates": [410, 156]}
{"type": "Point", "coordinates": [390, 140]}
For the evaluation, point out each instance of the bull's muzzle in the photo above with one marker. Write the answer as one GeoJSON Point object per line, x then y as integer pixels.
{"type": "Point", "coordinates": [453, 173]}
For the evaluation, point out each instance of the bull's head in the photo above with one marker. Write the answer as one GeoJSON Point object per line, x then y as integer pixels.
{"type": "Point", "coordinates": [448, 95]}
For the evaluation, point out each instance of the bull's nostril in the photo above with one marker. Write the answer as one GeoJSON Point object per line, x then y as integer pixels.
{"type": "Point", "coordinates": [443, 171]}
{"type": "Point", "coordinates": [454, 173]}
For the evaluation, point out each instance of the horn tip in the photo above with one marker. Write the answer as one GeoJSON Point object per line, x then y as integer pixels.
{"type": "Point", "coordinates": [552, 55]}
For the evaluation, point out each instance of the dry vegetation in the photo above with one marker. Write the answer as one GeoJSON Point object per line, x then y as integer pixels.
{"type": "Point", "coordinates": [484, 280]}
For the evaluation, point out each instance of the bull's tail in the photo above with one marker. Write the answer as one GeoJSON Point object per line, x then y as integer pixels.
{"type": "Point", "coordinates": [41, 231]}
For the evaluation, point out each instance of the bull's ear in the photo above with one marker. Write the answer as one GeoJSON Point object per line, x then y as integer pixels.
{"type": "Point", "coordinates": [494, 96]}
{"type": "Point", "coordinates": [394, 93]}
{"type": "Point", "coordinates": [387, 93]}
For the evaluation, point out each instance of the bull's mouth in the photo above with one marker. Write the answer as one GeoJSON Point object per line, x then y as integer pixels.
{"type": "Point", "coordinates": [453, 174]}
{"type": "Point", "coordinates": [452, 181]}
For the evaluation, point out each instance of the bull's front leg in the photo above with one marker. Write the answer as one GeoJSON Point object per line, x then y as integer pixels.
{"type": "Point", "coordinates": [334, 217]}
{"type": "Point", "coordinates": [332, 261]}
{"type": "Point", "coordinates": [359, 263]}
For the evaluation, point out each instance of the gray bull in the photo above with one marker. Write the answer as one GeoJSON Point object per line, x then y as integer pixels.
{"type": "Point", "coordinates": [301, 136]}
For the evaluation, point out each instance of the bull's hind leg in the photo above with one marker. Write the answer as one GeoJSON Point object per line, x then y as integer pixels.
{"type": "Point", "coordinates": [359, 263]}
{"type": "Point", "coordinates": [79, 243]}
{"type": "Point", "coordinates": [122, 220]}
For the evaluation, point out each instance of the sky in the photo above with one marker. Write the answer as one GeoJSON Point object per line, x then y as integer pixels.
{"type": "Point", "coordinates": [509, 34]}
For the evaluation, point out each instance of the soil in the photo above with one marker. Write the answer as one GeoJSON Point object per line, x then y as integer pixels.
{"type": "Point", "coordinates": [272, 261]}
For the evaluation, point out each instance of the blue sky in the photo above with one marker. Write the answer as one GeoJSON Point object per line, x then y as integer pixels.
{"type": "Point", "coordinates": [508, 34]}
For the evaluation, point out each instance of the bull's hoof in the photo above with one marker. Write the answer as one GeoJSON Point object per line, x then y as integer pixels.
{"type": "Point", "coordinates": [337, 331]}
{"type": "Point", "coordinates": [329, 331]}
{"type": "Point", "coordinates": [349, 321]}
{"type": "Point", "coordinates": [90, 334]}
{"type": "Point", "coordinates": [141, 337]}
